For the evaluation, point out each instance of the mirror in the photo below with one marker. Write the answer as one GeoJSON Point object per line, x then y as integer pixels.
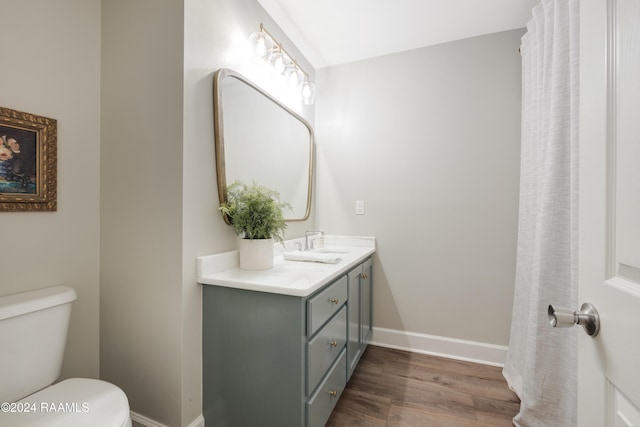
{"type": "Point", "coordinates": [257, 138]}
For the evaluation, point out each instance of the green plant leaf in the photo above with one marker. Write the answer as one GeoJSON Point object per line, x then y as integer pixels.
{"type": "Point", "coordinates": [255, 211]}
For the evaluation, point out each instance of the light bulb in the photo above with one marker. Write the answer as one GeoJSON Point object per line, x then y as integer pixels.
{"type": "Point", "coordinates": [261, 44]}
{"type": "Point", "coordinates": [293, 75]}
{"type": "Point", "coordinates": [308, 92]}
{"type": "Point", "coordinates": [278, 60]}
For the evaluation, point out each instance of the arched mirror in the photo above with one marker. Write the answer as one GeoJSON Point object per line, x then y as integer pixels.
{"type": "Point", "coordinates": [257, 138]}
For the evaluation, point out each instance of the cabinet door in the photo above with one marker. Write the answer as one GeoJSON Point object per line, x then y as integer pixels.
{"type": "Point", "coordinates": [354, 332]}
{"type": "Point", "coordinates": [366, 302]}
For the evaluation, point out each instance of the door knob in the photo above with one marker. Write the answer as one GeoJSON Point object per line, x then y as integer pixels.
{"type": "Point", "coordinates": [588, 317]}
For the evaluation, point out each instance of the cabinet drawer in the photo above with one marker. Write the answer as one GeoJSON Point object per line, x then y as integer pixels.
{"type": "Point", "coordinates": [325, 348]}
{"type": "Point", "coordinates": [322, 306]}
{"type": "Point", "coordinates": [320, 405]}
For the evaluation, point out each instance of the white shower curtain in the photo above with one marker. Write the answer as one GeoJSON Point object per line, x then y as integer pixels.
{"type": "Point", "coordinates": [541, 364]}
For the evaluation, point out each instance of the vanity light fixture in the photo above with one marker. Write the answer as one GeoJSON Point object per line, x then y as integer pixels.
{"type": "Point", "coordinates": [267, 48]}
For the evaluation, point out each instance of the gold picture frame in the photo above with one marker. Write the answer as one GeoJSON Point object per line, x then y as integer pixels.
{"type": "Point", "coordinates": [28, 162]}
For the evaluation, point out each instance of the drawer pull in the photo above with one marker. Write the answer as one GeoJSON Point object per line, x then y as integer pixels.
{"type": "Point", "coordinates": [334, 300]}
{"type": "Point", "coordinates": [364, 276]}
{"type": "Point", "coordinates": [333, 343]}
{"type": "Point", "coordinates": [333, 393]}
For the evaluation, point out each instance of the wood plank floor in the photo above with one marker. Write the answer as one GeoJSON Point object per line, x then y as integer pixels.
{"type": "Point", "coordinates": [402, 389]}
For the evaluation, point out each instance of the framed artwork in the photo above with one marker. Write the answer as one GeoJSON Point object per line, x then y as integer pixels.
{"type": "Point", "coordinates": [28, 161]}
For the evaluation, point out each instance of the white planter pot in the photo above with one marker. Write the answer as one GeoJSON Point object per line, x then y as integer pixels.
{"type": "Point", "coordinates": [256, 254]}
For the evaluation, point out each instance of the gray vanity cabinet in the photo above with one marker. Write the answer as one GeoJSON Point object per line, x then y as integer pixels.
{"type": "Point", "coordinates": [360, 320]}
{"type": "Point", "coordinates": [280, 360]}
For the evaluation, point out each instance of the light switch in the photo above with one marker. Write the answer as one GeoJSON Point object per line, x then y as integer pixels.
{"type": "Point", "coordinates": [359, 207]}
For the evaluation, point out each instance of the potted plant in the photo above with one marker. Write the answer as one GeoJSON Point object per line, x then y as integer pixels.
{"type": "Point", "coordinates": [255, 212]}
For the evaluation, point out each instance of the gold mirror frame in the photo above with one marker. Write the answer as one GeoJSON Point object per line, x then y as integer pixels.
{"type": "Point", "coordinates": [218, 120]}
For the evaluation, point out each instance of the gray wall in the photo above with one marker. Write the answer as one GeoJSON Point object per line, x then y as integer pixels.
{"type": "Point", "coordinates": [51, 67]}
{"type": "Point", "coordinates": [429, 138]}
{"type": "Point", "coordinates": [141, 205]}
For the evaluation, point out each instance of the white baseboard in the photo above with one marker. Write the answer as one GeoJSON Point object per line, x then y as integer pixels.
{"type": "Point", "coordinates": [452, 348]}
{"type": "Point", "coordinates": [145, 421]}
{"type": "Point", "coordinates": [198, 422]}
{"type": "Point", "coordinates": [148, 422]}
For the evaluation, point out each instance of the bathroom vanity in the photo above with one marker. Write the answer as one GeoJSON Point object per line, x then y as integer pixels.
{"type": "Point", "coordinates": [279, 345]}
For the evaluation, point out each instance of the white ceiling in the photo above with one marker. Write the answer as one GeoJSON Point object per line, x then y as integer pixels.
{"type": "Point", "coordinates": [331, 32]}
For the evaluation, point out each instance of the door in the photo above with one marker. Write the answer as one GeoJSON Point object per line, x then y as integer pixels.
{"type": "Point", "coordinates": [609, 251]}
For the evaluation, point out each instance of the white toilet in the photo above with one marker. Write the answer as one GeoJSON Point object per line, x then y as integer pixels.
{"type": "Point", "coordinates": [33, 332]}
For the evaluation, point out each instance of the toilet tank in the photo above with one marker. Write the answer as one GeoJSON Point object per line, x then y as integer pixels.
{"type": "Point", "coordinates": [33, 333]}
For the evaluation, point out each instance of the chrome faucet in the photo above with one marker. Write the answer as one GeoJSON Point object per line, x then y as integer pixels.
{"type": "Point", "coordinates": [308, 247]}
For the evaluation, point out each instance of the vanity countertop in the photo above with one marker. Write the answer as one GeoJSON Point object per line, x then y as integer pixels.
{"type": "Point", "coordinates": [294, 278]}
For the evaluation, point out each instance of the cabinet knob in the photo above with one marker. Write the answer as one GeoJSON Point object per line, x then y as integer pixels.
{"type": "Point", "coordinates": [333, 343]}
{"type": "Point", "coordinates": [334, 300]}
{"type": "Point", "coordinates": [364, 276]}
{"type": "Point", "coordinates": [333, 393]}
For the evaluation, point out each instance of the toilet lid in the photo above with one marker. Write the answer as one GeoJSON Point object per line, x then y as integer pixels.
{"type": "Point", "coordinates": [76, 402]}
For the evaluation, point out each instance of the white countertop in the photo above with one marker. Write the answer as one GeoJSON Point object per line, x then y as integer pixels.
{"type": "Point", "coordinates": [296, 278]}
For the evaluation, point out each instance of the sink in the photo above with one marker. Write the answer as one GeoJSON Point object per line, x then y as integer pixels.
{"type": "Point", "coordinates": [312, 257]}
{"type": "Point", "coordinates": [330, 250]}
{"type": "Point", "coordinates": [314, 267]}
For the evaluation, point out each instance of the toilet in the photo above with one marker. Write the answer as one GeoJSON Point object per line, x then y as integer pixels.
{"type": "Point", "coordinates": [33, 332]}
